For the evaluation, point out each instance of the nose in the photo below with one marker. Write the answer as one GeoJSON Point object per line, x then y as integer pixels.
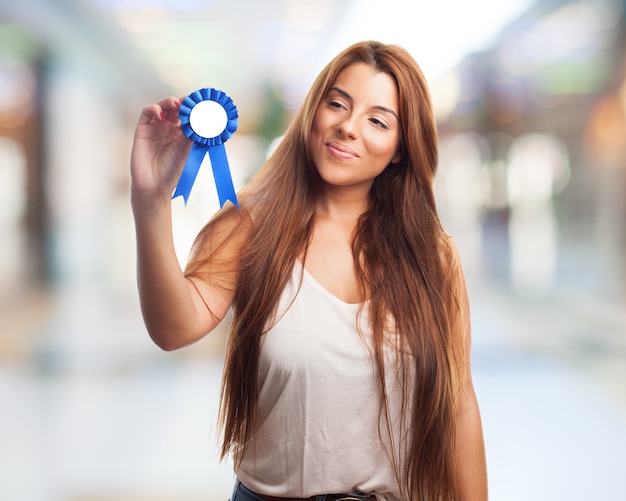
{"type": "Point", "coordinates": [348, 127]}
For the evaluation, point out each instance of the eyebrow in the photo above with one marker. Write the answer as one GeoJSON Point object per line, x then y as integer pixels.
{"type": "Point", "coordinates": [378, 107]}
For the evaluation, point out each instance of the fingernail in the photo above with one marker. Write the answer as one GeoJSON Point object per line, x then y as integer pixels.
{"type": "Point", "coordinates": [162, 116]}
{"type": "Point", "coordinates": [177, 103]}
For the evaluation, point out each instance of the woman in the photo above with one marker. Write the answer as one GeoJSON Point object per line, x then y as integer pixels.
{"type": "Point", "coordinates": [347, 371]}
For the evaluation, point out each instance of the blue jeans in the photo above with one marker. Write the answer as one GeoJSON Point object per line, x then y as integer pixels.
{"type": "Point", "coordinates": [242, 493]}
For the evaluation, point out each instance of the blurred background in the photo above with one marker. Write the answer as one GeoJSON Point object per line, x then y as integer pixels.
{"type": "Point", "coordinates": [530, 99]}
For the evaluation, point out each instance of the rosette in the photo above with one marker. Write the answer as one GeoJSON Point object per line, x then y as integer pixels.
{"type": "Point", "coordinates": [209, 118]}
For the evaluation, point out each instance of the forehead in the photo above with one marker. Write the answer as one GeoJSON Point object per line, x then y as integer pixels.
{"type": "Point", "coordinates": [364, 82]}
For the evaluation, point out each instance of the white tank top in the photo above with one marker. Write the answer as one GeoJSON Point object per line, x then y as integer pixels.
{"type": "Point", "coordinates": [318, 406]}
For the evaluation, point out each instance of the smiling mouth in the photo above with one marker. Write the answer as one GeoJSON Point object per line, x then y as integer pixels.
{"type": "Point", "coordinates": [341, 152]}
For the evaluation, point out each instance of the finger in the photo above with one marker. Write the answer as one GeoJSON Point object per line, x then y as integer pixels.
{"type": "Point", "coordinates": [166, 109]}
{"type": "Point", "coordinates": [170, 103]}
{"type": "Point", "coordinates": [151, 113]}
{"type": "Point", "coordinates": [170, 107]}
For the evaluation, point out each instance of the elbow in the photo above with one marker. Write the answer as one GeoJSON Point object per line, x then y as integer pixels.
{"type": "Point", "coordinates": [166, 339]}
{"type": "Point", "coordinates": [165, 345]}
{"type": "Point", "coordinates": [172, 334]}
{"type": "Point", "coordinates": [163, 342]}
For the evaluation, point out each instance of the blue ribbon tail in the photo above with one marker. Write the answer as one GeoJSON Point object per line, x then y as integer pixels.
{"type": "Point", "coordinates": [221, 174]}
{"type": "Point", "coordinates": [190, 171]}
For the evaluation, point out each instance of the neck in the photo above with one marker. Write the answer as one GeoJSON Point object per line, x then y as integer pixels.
{"type": "Point", "coordinates": [342, 204]}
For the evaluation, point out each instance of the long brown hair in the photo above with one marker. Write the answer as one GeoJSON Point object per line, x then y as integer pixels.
{"type": "Point", "coordinates": [405, 265]}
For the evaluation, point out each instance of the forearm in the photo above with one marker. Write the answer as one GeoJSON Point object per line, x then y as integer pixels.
{"type": "Point", "coordinates": [167, 300]}
{"type": "Point", "coordinates": [470, 452]}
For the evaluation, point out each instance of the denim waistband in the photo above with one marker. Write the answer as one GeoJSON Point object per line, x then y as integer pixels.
{"type": "Point", "coordinates": [242, 493]}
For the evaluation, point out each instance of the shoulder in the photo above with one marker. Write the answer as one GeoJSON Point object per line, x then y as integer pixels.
{"type": "Point", "coordinates": [452, 266]}
{"type": "Point", "coordinates": [448, 251]}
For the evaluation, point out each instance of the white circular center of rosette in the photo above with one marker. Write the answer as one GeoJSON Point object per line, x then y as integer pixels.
{"type": "Point", "coordinates": [208, 119]}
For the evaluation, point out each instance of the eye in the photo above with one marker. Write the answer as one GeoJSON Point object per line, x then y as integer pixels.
{"type": "Point", "coordinates": [379, 123]}
{"type": "Point", "coordinates": [333, 103]}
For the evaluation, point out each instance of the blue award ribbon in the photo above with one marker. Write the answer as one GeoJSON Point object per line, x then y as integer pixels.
{"type": "Point", "coordinates": [214, 146]}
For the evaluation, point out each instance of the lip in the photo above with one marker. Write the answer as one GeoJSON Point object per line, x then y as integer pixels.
{"type": "Point", "coordinates": [340, 151]}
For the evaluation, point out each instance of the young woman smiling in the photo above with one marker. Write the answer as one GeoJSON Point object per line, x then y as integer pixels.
{"type": "Point", "coordinates": [347, 373]}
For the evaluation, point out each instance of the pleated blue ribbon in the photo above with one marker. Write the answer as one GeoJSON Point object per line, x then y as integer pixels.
{"type": "Point", "coordinates": [202, 145]}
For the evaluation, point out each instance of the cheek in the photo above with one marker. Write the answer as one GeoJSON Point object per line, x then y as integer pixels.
{"type": "Point", "coordinates": [314, 141]}
{"type": "Point", "coordinates": [315, 130]}
{"type": "Point", "coordinates": [320, 122]}
{"type": "Point", "coordinates": [385, 149]}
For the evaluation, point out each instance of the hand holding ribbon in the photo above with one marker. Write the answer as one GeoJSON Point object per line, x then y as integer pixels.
{"type": "Point", "coordinates": [209, 118]}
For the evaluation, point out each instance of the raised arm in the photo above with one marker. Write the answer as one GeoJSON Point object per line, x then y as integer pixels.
{"type": "Point", "coordinates": [177, 310]}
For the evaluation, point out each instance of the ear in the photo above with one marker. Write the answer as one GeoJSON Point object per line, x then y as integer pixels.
{"type": "Point", "coordinates": [397, 157]}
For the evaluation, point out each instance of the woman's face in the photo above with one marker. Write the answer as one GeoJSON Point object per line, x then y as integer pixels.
{"type": "Point", "coordinates": [356, 129]}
